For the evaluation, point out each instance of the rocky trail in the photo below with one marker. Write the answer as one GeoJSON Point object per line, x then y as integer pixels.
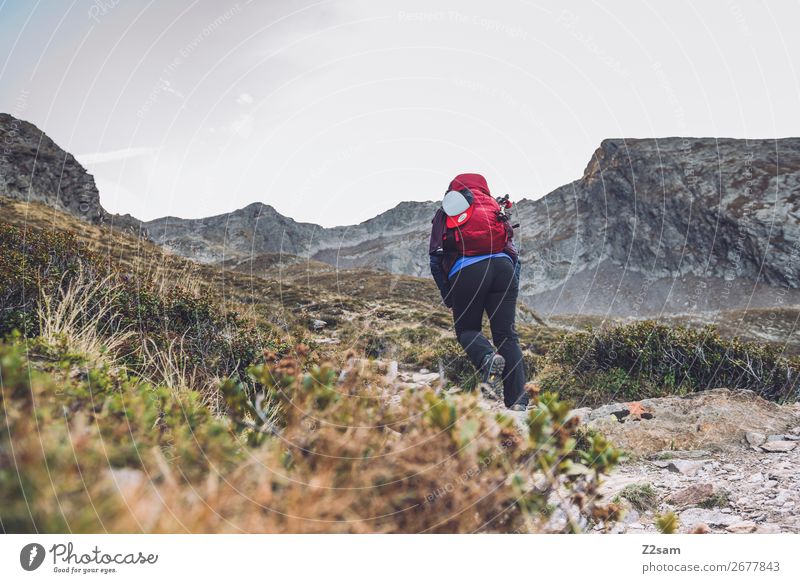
{"type": "Point", "coordinates": [744, 490]}
{"type": "Point", "coordinates": [721, 460]}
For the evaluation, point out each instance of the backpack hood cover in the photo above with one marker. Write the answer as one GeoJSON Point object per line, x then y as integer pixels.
{"type": "Point", "coordinates": [469, 184]}
{"type": "Point", "coordinates": [475, 182]}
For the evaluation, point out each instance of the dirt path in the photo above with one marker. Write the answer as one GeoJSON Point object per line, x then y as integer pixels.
{"type": "Point", "coordinates": [722, 461]}
{"type": "Point", "coordinates": [734, 491]}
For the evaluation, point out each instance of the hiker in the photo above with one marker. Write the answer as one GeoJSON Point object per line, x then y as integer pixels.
{"type": "Point", "coordinates": [476, 268]}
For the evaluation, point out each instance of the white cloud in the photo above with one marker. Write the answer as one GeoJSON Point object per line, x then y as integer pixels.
{"type": "Point", "coordinates": [243, 126]}
{"type": "Point", "coordinates": [113, 155]}
{"type": "Point", "coordinates": [167, 87]}
{"type": "Point", "coordinates": [408, 93]}
{"type": "Point", "coordinates": [244, 99]}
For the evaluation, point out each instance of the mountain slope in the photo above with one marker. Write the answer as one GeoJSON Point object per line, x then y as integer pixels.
{"type": "Point", "coordinates": [391, 241]}
{"type": "Point", "coordinates": [34, 168]}
{"type": "Point", "coordinates": [653, 226]}
{"type": "Point", "coordinates": [670, 225]}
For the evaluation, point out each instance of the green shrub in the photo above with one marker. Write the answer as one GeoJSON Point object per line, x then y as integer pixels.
{"type": "Point", "coordinates": [457, 367]}
{"type": "Point", "coordinates": [647, 359]}
{"type": "Point", "coordinates": [667, 523]}
{"type": "Point", "coordinates": [67, 425]}
{"type": "Point", "coordinates": [213, 340]}
{"type": "Point", "coordinates": [97, 450]}
{"type": "Point", "coordinates": [409, 345]}
{"type": "Point", "coordinates": [642, 497]}
{"type": "Point", "coordinates": [37, 264]}
{"type": "Point", "coordinates": [459, 370]}
{"type": "Point", "coordinates": [719, 499]}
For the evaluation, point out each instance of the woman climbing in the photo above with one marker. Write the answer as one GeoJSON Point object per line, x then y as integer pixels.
{"type": "Point", "coordinates": [475, 265]}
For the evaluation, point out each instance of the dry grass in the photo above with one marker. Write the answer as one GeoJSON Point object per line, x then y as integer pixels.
{"type": "Point", "coordinates": [347, 458]}
{"type": "Point", "coordinates": [83, 318]}
{"type": "Point", "coordinates": [172, 368]}
{"type": "Point", "coordinates": [166, 278]}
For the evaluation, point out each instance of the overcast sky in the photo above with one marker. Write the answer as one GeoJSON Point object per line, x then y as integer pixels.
{"type": "Point", "coordinates": [334, 111]}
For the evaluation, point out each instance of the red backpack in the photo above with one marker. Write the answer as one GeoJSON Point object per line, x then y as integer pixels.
{"type": "Point", "coordinates": [479, 229]}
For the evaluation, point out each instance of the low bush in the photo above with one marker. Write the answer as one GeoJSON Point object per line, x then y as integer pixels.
{"type": "Point", "coordinates": [51, 283]}
{"type": "Point", "coordinates": [71, 431]}
{"type": "Point", "coordinates": [36, 263]}
{"type": "Point", "coordinates": [97, 450]}
{"type": "Point", "coordinates": [456, 364]}
{"type": "Point", "coordinates": [410, 345]}
{"type": "Point", "coordinates": [719, 499]}
{"type": "Point", "coordinates": [642, 497]}
{"type": "Point", "coordinates": [648, 359]}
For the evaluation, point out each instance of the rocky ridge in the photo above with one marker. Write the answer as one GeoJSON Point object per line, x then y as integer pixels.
{"type": "Point", "coordinates": [669, 225]}
{"type": "Point", "coordinates": [675, 225]}
{"type": "Point", "coordinates": [391, 241]}
{"type": "Point", "coordinates": [34, 168]}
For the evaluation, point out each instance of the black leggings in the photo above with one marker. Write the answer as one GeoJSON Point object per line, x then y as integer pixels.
{"type": "Point", "coordinates": [490, 285]}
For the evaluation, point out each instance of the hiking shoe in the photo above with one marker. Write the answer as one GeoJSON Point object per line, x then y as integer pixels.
{"type": "Point", "coordinates": [492, 374]}
{"type": "Point", "coordinates": [518, 407]}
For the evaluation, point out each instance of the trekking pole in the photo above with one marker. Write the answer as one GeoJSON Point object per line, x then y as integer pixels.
{"type": "Point", "coordinates": [504, 214]}
{"type": "Point", "coordinates": [505, 208]}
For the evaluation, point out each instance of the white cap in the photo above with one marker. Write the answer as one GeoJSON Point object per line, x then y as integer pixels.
{"type": "Point", "coordinates": [455, 203]}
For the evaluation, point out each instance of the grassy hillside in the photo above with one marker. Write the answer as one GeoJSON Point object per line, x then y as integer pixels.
{"type": "Point", "coordinates": [376, 312]}
{"type": "Point", "coordinates": [136, 399]}
{"type": "Point", "coordinates": [142, 392]}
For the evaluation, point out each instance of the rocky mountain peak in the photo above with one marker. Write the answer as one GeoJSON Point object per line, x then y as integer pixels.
{"type": "Point", "coordinates": [674, 222]}
{"type": "Point", "coordinates": [34, 168]}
